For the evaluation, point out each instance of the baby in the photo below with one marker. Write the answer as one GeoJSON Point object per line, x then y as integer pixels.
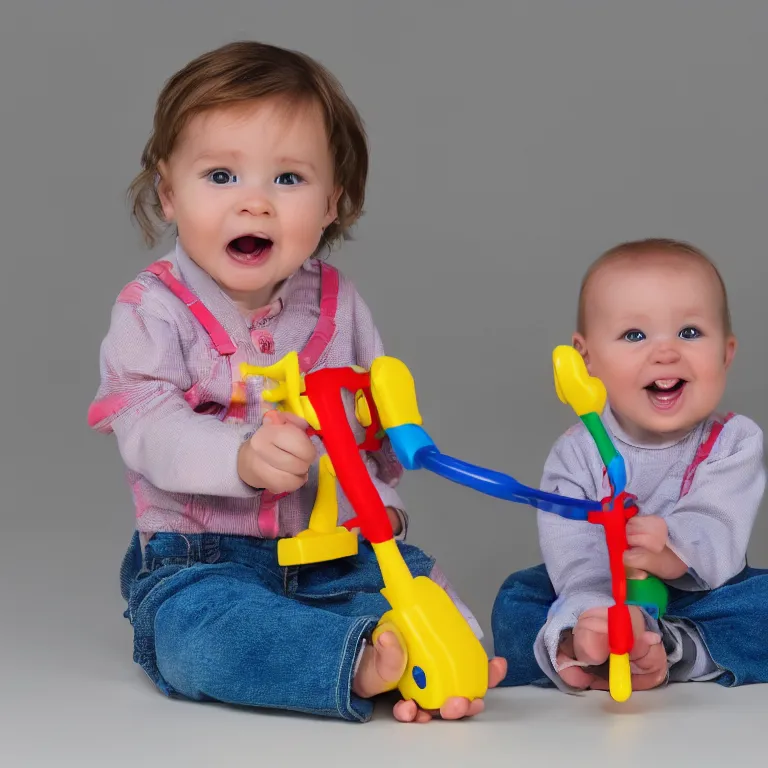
{"type": "Point", "coordinates": [654, 326]}
{"type": "Point", "coordinates": [260, 161]}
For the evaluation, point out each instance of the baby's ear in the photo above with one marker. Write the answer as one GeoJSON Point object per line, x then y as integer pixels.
{"type": "Point", "coordinates": [164, 192]}
{"type": "Point", "coordinates": [332, 212]}
{"type": "Point", "coordinates": [580, 345]}
{"type": "Point", "coordinates": [731, 346]}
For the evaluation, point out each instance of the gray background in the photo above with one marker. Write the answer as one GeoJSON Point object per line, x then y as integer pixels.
{"type": "Point", "coordinates": [512, 142]}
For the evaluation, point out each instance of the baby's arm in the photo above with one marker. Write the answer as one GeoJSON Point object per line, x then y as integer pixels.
{"type": "Point", "coordinates": [141, 400]}
{"type": "Point", "coordinates": [710, 527]}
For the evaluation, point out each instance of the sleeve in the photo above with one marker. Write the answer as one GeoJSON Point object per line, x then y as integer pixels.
{"type": "Point", "coordinates": [574, 552]}
{"type": "Point", "coordinates": [710, 527]}
{"type": "Point", "coordinates": [384, 468]}
{"type": "Point", "coordinates": [141, 400]}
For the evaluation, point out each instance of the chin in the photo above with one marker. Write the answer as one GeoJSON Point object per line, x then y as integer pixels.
{"type": "Point", "coordinates": [673, 426]}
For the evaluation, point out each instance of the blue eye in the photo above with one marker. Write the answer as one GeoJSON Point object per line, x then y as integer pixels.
{"type": "Point", "coordinates": [689, 333]}
{"type": "Point", "coordinates": [292, 179]}
{"type": "Point", "coordinates": [221, 177]}
{"type": "Point", "coordinates": [634, 336]}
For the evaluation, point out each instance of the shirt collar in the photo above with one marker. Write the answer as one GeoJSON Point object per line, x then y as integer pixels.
{"type": "Point", "coordinates": [613, 426]}
{"type": "Point", "coordinates": [208, 290]}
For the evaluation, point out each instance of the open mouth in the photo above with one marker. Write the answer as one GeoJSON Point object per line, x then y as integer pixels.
{"type": "Point", "coordinates": [666, 386]}
{"type": "Point", "coordinates": [249, 249]}
{"type": "Point", "coordinates": [664, 393]}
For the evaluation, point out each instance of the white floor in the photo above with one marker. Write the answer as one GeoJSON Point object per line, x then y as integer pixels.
{"type": "Point", "coordinates": [71, 696]}
{"type": "Point", "coordinates": [114, 718]}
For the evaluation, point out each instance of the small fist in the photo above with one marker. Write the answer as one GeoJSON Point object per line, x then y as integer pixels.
{"type": "Point", "coordinates": [648, 552]}
{"type": "Point", "coordinates": [649, 532]}
{"type": "Point", "coordinates": [278, 455]}
{"type": "Point", "coordinates": [584, 651]}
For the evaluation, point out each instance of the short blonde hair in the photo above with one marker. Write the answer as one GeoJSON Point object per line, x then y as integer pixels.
{"type": "Point", "coordinates": [637, 249]}
{"type": "Point", "coordinates": [245, 71]}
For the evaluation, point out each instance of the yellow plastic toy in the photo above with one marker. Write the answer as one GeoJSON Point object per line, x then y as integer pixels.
{"type": "Point", "coordinates": [587, 396]}
{"type": "Point", "coordinates": [444, 658]}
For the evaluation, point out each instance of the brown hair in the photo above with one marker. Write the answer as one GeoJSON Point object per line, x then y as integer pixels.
{"type": "Point", "coordinates": [240, 72]}
{"type": "Point", "coordinates": [640, 248]}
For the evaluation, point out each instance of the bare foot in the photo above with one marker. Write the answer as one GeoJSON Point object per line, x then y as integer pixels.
{"type": "Point", "coordinates": [455, 708]}
{"type": "Point", "coordinates": [382, 666]}
{"type": "Point", "coordinates": [588, 643]}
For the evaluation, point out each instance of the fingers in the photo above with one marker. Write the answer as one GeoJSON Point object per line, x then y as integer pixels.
{"type": "Point", "coordinates": [649, 671]}
{"type": "Point", "coordinates": [590, 637]}
{"type": "Point", "coordinates": [454, 708]}
{"type": "Point", "coordinates": [497, 671]}
{"type": "Point", "coordinates": [278, 481]}
{"type": "Point", "coordinates": [285, 417]}
{"type": "Point", "coordinates": [574, 675]}
{"type": "Point", "coordinates": [293, 440]}
{"type": "Point", "coordinates": [642, 560]}
{"type": "Point", "coordinates": [635, 574]}
{"type": "Point", "coordinates": [648, 532]}
{"type": "Point", "coordinates": [644, 643]}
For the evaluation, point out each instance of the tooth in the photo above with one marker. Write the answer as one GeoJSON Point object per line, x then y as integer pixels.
{"type": "Point", "coordinates": [665, 383]}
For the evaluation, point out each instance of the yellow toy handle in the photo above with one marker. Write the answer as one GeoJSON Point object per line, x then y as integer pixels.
{"type": "Point", "coordinates": [619, 677]}
{"type": "Point", "coordinates": [573, 384]}
{"type": "Point", "coordinates": [444, 658]}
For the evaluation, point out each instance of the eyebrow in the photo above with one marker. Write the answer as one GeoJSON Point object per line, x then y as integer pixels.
{"type": "Point", "coordinates": [235, 154]}
{"type": "Point", "coordinates": [297, 162]}
{"type": "Point", "coordinates": [232, 154]}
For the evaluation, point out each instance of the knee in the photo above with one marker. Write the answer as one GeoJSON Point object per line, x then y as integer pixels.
{"type": "Point", "coordinates": [521, 605]}
{"type": "Point", "coordinates": [204, 641]}
{"type": "Point", "coordinates": [529, 586]}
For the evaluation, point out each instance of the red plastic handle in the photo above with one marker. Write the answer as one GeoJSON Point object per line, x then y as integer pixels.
{"type": "Point", "coordinates": [323, 388]}
{"type": "Point", "coordinates": [613, 517]}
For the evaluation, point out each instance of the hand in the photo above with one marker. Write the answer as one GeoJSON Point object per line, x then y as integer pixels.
{"type": "Point", "coordinates": [278, 455]}
{"type": "Point", "coordinates": [394, 519]}
{"type": "Point", "coordinates": [383, 664]}
{"type": "Point", "coordinates": [587, 643]}
{"type": "Point", "coordinates": [648, 552]}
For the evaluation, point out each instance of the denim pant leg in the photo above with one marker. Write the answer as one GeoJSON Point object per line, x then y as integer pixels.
{"type": "Point", "coordinates": [519, 612]}
{"type": "Point", "coordinates": [352, 586]}
{"type": "Point", "coordinates": [218, 624]}
{"type": "Point", "coordinates": [731, 621]}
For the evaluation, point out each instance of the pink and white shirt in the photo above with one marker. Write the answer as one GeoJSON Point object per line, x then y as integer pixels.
{"type": "Point", "coordinates": [172, 393]}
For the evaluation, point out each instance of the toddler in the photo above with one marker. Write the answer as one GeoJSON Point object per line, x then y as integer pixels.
{"type": "Point", "coordinates": [259, 161]}
{"type": "Point", "coordinates": [654, 326]}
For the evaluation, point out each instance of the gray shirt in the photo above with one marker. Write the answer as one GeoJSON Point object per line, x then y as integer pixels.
{"type": "Point", "coordinates": [709, 526]}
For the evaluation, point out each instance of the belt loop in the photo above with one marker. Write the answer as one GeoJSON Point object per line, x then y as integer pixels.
{"type": "Point", "coordinates": [290, 580]}
{"type": "Point", "coordinates": [210, 548]}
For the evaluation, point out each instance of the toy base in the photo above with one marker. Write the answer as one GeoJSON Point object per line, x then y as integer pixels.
{"type": "Point", "coordinates": [445, 659]}
{"type": "Point", "coordinates": [312, 547]}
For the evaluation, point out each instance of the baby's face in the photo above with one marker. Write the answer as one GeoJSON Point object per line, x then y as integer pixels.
{"type": "Point", "coordinates": [251, 188]}
{"type": "Point", "coordinates": [655, 336]}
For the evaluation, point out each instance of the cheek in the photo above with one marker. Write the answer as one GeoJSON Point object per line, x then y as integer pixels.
{"type": "Point", "coordinates": [201, 213]}
{"type": "Point", "coordinates": [618, 372]}
{"type": "Point", "coordinates": [305, 217]}
{"type": "Point", "coordinates": [710, 363]}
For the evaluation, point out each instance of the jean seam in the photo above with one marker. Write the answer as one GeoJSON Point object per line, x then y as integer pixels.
{"type": "Point", "coordinates": [344, 688]}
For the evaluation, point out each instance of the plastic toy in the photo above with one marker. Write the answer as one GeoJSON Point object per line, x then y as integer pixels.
{"type": "Point", "coordinates": [445, 659]}
{"type": "Point", "coordinates": [587, 396]}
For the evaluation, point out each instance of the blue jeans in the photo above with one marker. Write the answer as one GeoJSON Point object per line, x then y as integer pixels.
{"type": "Point", "coordinates": [731, 621]}
{"type": "Point", "coordinates": [215, 618]}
